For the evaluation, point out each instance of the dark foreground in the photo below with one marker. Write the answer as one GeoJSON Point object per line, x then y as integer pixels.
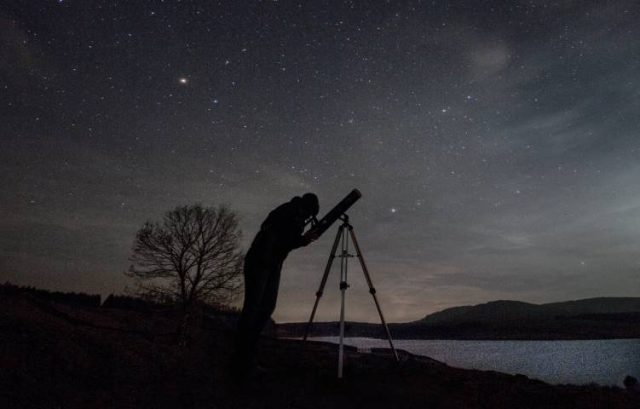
{"type": "Point", "coordinates": [56, 356]}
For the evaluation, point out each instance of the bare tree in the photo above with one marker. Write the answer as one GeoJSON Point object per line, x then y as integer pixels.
{"type": "Point", "coordinates": [193, 255]}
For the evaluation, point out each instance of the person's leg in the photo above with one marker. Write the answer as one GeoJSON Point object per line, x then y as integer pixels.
{"type": "Point", "coordinates": [255, 280]}
{"type": "Point", "coordinates": [268, 302]}
{"type": "Point", "coordinates": [270, 295]}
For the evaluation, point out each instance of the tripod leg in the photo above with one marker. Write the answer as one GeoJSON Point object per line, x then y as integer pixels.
{"type": "Point", "coordinates": [343, 288]}
{"type": "Point", "coordinates": [327, 269]}
{"type": "Point", "coordinates": [372, 290]}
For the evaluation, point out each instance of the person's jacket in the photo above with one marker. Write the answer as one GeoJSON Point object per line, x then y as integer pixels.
{"type": "Point", "coordinates": [280, 233]}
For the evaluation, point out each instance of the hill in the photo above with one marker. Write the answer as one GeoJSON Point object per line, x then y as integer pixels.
{"type": "Point", "coordinates": [498, 311]}
{"type": "Point", "coordinates": [594, 318]}
{"type": "Point", "coordinates": [70, 356]}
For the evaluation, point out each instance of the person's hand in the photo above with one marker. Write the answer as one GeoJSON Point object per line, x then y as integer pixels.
{"type": "Point", "coordinates": [308, 238]}
{"type": "Point", "coordinates": [313, 235]}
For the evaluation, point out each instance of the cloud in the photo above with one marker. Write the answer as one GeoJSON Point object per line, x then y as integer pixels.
{"type": "Point", "coordinates": [487, 60]}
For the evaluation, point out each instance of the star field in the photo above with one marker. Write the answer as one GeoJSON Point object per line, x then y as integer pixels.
{"type": "Point", "coordinates": [495, 143]}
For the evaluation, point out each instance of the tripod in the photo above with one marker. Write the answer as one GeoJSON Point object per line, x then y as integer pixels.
{"type": "Point", "coordinates": [343, 238]}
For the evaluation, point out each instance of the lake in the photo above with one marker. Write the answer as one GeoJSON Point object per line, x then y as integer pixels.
{"type": "Point", "coordinates": [605, 362]}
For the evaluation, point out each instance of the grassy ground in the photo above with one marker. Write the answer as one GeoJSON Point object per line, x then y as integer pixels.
{"type": "Point", "coordinates": [56, 356]}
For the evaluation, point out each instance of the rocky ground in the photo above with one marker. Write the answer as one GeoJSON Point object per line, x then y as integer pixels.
{"type": "Point", "coordinates": [57, 356]}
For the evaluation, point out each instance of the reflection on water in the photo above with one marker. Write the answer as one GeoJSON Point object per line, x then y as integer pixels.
{"type": "Point", "coordinates": [605, 362]}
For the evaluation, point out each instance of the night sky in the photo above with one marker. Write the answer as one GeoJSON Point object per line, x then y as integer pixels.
{"type": "Point", "coordinates": [496, 144]}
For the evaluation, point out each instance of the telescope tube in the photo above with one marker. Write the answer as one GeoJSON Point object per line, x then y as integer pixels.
{"type": "Point", "coordinates": [334, 214]}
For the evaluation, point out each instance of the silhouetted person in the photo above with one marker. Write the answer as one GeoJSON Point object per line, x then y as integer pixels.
{"type": "Point", "coordinates": [280, 233]}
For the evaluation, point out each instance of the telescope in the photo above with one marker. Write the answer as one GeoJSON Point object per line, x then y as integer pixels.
{"type": "Point", "coordinates": [334, 214]}
{"type": "Point", "coordinates": [345, 235]}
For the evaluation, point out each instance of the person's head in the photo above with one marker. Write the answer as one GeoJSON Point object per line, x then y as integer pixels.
{"type": "Point", "coordinates": [310, 205]}
{"type": "Point", "coordinates": [306, 206]}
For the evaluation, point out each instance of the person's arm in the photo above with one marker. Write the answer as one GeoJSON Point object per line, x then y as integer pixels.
{"type": "Point", "coordinates": [301, 241]}
{"type": "Point", "coordinates": [305, 239]}
{"type": "Point", "coordinates": [283, 231]}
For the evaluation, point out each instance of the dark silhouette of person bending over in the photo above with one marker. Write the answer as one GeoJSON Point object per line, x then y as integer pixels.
{"type": "Point", "coordinates": [280, 233]}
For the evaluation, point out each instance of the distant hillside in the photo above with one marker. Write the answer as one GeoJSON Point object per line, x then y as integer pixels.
{"type": "Point", "coordinates": [594, 318]}
{"type": "Point", "coordinates": [492, 311]}
{"type": "Point", "coordinates": [497, 311]}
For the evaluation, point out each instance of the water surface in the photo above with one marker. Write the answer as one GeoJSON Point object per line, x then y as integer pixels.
{"type": "Point", "coordinates": [605, 362]}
